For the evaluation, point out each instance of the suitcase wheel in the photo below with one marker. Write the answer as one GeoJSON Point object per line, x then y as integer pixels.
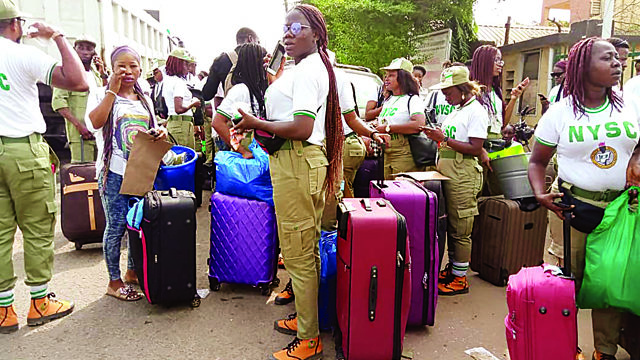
{"type": "Point", "coordinates": [78, 245]}
{"type": "Point", "coordinates": [196, 301]}
{"type": "Point", "coordinates": [265, 289]}
{"type": "Point", "coordinates": [214, 284]}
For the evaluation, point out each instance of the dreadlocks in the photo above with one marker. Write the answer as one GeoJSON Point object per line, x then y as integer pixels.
{"type": "Point", "coordinates": [249, 71]}
{"type": "Point", "coordinates": [332, 121]}
{"type": "Point", "coordinates": [175, 66]}
{"type": "Point", "coordinates": [579, 64]}
{"type": "Point", "coordinates": [482, 72]}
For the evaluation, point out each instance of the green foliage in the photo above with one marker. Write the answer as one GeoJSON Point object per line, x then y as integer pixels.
{"type": "Point", "coordinates": [373, 32]}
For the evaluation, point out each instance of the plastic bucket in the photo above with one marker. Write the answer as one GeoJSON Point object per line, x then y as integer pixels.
{"type": "Point", "coordinates": [181, 177]}
{"type": "Point", "coordinates": [511, 172]}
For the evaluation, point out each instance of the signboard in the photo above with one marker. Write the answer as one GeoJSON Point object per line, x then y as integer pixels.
{"type": "Point", "coordinates": [433, 49]}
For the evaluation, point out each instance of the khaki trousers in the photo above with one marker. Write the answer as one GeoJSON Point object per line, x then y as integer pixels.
{"type": "Point", "coordinates": [27, 200]}
{"type": "Point", "coordinates": [298, 177]}
{"type": "Point", "coordinates": [462, 204]}
{"type": "Point", "coordinates": [398, 158]}
{"type": "Point", "coordinates": [181, 128]}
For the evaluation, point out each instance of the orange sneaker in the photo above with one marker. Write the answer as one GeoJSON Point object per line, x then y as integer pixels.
{"type": "Point", "coordinates": [443, 274]}
{"type": "Point", "coordinates": [48, 308]}
{"type": "Point", "coordinates": [300, 350]}
{"type": "Point", "coordinates": [287, 326]}
{"type": "Point", "coordinates": [8, 320]}
{"type": "Point", "coordinates": [286, 296]}
{"type": "Point", "coordinates": [597, 355]}
{"type": "Point", "coordinates": [454, 285]}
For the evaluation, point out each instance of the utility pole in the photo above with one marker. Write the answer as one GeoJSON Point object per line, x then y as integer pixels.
{"type": "Point", "coordinates": [607, 18]}
{"type": "Point", "coordinates": [507, 30]}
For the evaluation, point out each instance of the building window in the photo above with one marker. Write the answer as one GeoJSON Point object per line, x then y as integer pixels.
{"type": "Point", "coordinates": [595, 7]}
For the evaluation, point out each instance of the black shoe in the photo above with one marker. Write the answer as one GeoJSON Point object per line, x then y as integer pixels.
{"type": "Point", "coordinates": [286, 296]}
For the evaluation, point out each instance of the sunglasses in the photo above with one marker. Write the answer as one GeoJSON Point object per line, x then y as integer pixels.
{"type": "Point", "coordinates": [295, 28]}
{"type": "Point", "coordinates": [556, 74]}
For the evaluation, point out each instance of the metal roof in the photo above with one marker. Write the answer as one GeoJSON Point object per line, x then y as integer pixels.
{"type": "Point", "coordinates": [518, 33]}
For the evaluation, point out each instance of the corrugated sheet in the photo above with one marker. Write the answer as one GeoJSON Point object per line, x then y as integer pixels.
{"type": "Point", "coordinates": [518, 33]}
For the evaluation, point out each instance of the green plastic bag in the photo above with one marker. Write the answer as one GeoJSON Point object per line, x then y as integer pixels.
{"type": "Point", "coordinates": [612, 259]}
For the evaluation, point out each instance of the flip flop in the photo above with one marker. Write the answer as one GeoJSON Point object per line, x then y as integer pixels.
{"type": "Point", "coordinates": [125, 293]}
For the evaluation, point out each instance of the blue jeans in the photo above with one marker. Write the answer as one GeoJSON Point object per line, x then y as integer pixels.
{"type": "Point", "coordinates": [115, 207]}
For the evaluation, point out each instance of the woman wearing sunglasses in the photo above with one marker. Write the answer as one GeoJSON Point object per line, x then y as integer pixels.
{"type": "Point", "coordinates": [302, 107]}
{"type": "Point", "coordinates": [555, 94]}
{"type": "Point", "coordinates": [486, 70]}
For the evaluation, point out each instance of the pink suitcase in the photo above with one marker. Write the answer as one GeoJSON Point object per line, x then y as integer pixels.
{"type": "Point", "coordinates": [542, 322]}
{"type": "Point", "coordinates": [373, 279]}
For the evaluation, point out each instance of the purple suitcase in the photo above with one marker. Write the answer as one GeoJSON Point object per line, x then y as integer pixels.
{"type": "Point", "coordinates": [368, 171]}
{"type": "Point", "coordinates": [420, 207]}
{"type": "Point", "coordinates": [244, 243]}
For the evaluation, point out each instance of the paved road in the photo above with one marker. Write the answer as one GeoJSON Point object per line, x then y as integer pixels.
{"type": "Point", "coordinates": [234, 323]}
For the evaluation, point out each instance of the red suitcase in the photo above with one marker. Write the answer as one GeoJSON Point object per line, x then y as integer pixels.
{"type": "Point", "coordinates": [542, 322]}
{"type": "Point", "coordinates": [373, 280]}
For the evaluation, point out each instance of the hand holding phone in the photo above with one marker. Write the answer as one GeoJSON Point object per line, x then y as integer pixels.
{"type": "Point", "coordinates": [277, 57]}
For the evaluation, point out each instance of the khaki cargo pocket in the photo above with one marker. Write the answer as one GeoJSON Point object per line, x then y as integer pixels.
{"type": "Point", "coordinates": [465, 223]}
{"type": "Point", "coordinates": [35, 174]}
{"type": "Point", "coordinates": [291, 237]}
{"type": "Point", "coordinates": [52, 207]}
{"type": "Point", "coordinates": [317, 173]}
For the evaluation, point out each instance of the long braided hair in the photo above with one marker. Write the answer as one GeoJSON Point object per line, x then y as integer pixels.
{"type": "Point", "coordinates": [482, 72]}
{"type": "Point", "coordinates": [249, 71]}
{"type": "Point", "coordinates": [107, 130]}
{"type": "Point", "coordinates": [578, 67]}
{"type": "Point", "coordinates": [333, 120]}
{"type": "Point", "coordinates": [175, 67]}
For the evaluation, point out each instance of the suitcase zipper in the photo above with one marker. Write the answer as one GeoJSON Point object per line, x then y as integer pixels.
{"type": "Point", "coordinates": [401, 247]}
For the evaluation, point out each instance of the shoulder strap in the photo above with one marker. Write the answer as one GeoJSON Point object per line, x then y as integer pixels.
{"type": "Point", "coordinates": [233, 56]}
{"type": "Point", "coordinates": [355, 101]}
{"type": "Point", "coordinates": [409, 105]}
{"type": "Point", "coordinates": [433, 99]}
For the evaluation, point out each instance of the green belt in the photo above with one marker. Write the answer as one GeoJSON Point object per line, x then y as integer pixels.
{"type": "Point", "coordinates": [180, 118]}
{"type": "Point", "coordinates": [604, 196]}
{"type": "Point", "coordinates": [452, 154]}
{"type": "Point", "coordinates": [395, 136]}
{"type": "Point", "coordinates": [288, 145]}
{"type": "Point", "coordinates": [351, 134]}
{"type": "Point", "coordinates": [21, 140]}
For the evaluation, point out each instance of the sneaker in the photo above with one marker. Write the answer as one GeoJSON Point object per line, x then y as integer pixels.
{"type": "Point", "coordinates": [456, 285]}
{"type": "Point", "coordinates": [48, 308]}
{"type": "Point", "coordinates": [444, 274]}
{"type": "Point", "coordinates": [286, 296]}
{"type": "Point", "coordinates": [597, 355]}
{"type": "Point", "coordinates": [300, 350]}
{"type": "Point", "coordinates": [8, 319]}
{"type": "Point", "coordinates": [580, 355]}
{"type": "Point", "coordinates": [287, 326]}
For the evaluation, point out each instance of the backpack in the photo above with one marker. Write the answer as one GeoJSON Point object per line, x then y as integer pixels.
{"type": "Point", "coordinates": [159, 104]}
{"type": "Point", "coordinates": [233, 56]}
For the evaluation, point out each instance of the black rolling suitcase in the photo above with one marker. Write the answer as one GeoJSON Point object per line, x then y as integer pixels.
{"type": "Point", "coordinates": [164, 249]}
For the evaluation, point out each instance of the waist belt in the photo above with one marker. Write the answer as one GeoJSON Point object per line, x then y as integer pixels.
{"type": "Point", "coordinates": [452, 154]}
{"type": "Point", "coordinates": [288, 145]}
{"type": "Point", "coordinates": [180, 118]}
{"type": "Point", "coordinates": [351, 134]}
{"type": "Point", "coordinates": [604, 196]}
{"type": "Point", "coordinates": [21, 140]}
{"type": "Point", "coordinates": [396, 136]}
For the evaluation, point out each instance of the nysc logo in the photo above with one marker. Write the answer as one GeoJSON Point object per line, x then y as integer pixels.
{"type": "Point", "coordinates": [604, 157]}
{"type": "Point", "coordinates": [4, 85]}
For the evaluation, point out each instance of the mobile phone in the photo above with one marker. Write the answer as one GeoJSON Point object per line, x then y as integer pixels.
{"type": "Point", "coordinates": [277, 57]}
{"type": "Point", "coordinates": [541, 96]}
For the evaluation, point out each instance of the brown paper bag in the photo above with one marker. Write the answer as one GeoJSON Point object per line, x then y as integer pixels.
{"type": "Point", "coordinates": [143, 164]}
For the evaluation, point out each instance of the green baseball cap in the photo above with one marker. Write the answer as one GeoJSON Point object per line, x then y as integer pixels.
{"type": "Point", "coordinates": [399, 64]}
{"type": "Point", "coordinates": [181, 54]}
{"type": "Point", "coordinates": [9, 10]}
{"type": "Point", "coordinates": [452, 76]}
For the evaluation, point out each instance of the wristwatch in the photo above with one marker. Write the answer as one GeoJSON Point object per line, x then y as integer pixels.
{"type": "Point", "coordinates": [446, 138]}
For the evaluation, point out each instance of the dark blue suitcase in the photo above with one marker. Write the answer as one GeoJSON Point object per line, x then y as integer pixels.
{"type": "Point", "coordinates": [328, 269]}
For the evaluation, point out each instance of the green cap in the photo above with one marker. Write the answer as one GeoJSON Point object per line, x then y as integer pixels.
{"type": "Point", "coordinates": [9, 10]}
{"type": "Point", "coordinates": [399, 64]}
{"type": "Point", "coordinates": [181, 54]}
{"type": "Point", "coordinates": [85, 38]}
{"type": "Point", "coordinates": [452, 76]}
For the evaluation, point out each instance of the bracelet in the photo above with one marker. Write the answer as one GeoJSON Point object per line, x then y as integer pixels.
{"type": "Point", "coordinates": [112, 92]}
{"type": "Point", "coordinates": [373, 132]}
{"type": "Point", "coordinates": [55, 35]}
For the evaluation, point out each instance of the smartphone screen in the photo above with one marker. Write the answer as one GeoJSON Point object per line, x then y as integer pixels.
{"type": "Point", "coordinates": [276, 59]}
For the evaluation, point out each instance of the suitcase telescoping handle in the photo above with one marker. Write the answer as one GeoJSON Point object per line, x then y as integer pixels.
{"type": "Point", "coordinates": [566, 232]}
{"type": "Point", "coordinates": [381, 148]}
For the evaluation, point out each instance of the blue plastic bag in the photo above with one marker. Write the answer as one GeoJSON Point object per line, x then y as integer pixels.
{"type": "Point", "coordinates": [134, 215]}
{"type": "Point", "coordinates": [328, 271]}
{"type": "Point", "coordinates": [246, 178]}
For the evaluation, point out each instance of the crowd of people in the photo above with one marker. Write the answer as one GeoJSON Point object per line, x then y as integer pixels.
{"type": "Point", "coordinates": [306, 118]}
